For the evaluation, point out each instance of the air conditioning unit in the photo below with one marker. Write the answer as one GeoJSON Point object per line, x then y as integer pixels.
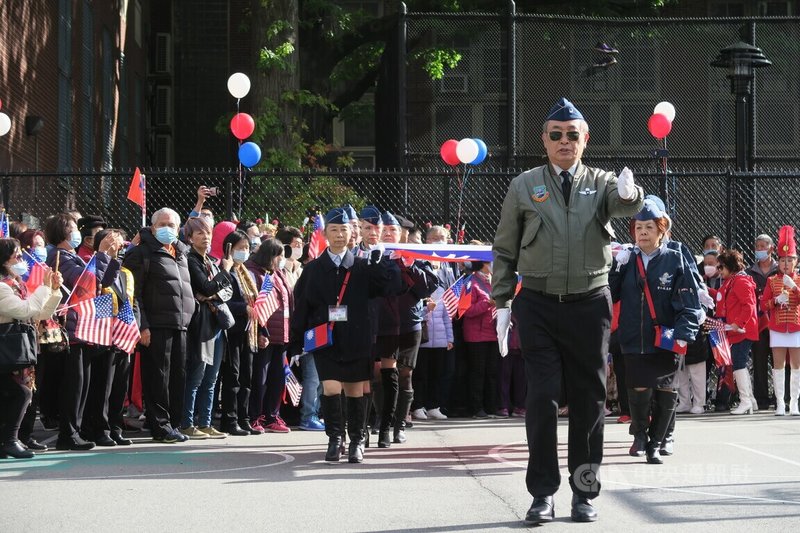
{"type": "Point", "coordinates": [163, 55]}
{"type": "Point", "coordinates": [163, 151]}
{"type": "Point", "coordinates": [163, 107]}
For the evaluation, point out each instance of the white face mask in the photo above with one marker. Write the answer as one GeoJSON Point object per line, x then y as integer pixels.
{"type": "Point", "coordinates": [20, 268]}
{"type": "Point", "coordinates": [281, 264]}
{"type": "Point", "coordinates": [710, 271]}
{"type": "Point", "coordinates": [296, 253]}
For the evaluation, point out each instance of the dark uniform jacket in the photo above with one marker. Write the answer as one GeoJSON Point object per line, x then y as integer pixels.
{"type": "Point", "coordinates": [674, 292]}
{"type": "Point", "coordinates": [318, 288]}
{"type": "Point", "coordinates": [162, 285]}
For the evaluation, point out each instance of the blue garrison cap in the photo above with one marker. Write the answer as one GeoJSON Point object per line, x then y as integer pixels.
{"type": "Point", "coordinates": [337, 215]}
{"type": "Point", "coordinates": [371, 214]}
{"type": "Point", "coordinates": [564, 110]}
{"type": "Point", "coordinates": [389, 219]}
{"type": "Point", "coordinates": [650, 210]}
{"type": "Point", "coordinates": [350, 211]}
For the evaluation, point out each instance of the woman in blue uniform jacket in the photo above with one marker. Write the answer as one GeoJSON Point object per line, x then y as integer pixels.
{"type": "Point", "coordinates": [650, 371]}
{"type": "Point", "coordinates": [347, 363]}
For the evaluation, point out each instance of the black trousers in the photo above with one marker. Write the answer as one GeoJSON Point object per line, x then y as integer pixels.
{"type": "Point", "coordinates": [482, 360]}
{"type": "Point", "coordinates": [433, 365]}
{"type": "Point", "coordinates": [14, 400]}
{"type": "Point", "coordinates": [95, 418]}
{"type": "Point", "coordinates": [570, 340]}
{"type": "Point", "coordinates": [163, 379]}
{"type": "Point", "coordinates": [237, 372]}
{"type": "Point", "coordinates": [761, 356]}
{"type": "Point", "coordinates": [619, 371]}
{"type": "Point", "coordinates": [119, 390]}
{"type": "Point", "coordinates": [74, 390]}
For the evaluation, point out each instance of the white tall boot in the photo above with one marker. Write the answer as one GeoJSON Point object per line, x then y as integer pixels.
{"type": "Point", "coordinates": [697, 374]}
{"type": "Point", "coordinates": [682, 387]}
{"type": "Point", "coordinates": [742, 378]}
{"type": "Point", "coordinates": [794, 390]}
{"type": "Point", "coordinates": [778, 375]}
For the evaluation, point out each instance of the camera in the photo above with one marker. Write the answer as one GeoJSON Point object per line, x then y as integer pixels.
{"type": "Point", "coordinates": [212, 191]}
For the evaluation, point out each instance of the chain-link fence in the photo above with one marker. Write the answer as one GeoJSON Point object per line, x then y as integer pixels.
{"type": "Point", "coordinates": [735, 206]}
{"type": "Point", "coordinates": [513, 68]}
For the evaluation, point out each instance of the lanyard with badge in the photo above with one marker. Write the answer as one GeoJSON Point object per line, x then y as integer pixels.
{"type": "Point", "coordinates": [338, 312]}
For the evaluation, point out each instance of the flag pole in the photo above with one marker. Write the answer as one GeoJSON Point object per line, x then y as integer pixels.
{"type": "Point", "coordinates": [144, 201]}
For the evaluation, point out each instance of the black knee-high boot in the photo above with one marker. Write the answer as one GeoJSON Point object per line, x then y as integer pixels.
{"type": "Point", "coordinates": [356, 413]}
{"type": "Point", "coordinates": [332, 412]}
{"type": "Point", "coordinates": [404, 400]}
{"type": "Point", "coordinates": [639, 402]}
{"type": "Point", "coordinates": [367, 410]}
{"type": "Point", "coordinates": [389, 378]}
{"type": "Point", "coordinates": [662, 417]}
{"type": "Point", "coordinates": [668, 444]}
{"type": "Point", "coordinates": [377, 403]}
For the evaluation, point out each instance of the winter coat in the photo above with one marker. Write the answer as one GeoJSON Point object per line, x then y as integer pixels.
{"type": "Point", "coordinates": [673, 288]}
{"type": "Point", "coordinates": [162, 283]}
{"type": "Point", "coordinates": [479, 326]}
{"type": "Point", "coordinates": [318, 288]}
{"type": "Point", "coordinates": [207, 280]}
{"type": "Point", "coordinates": [410, 307]}
{"type": "Point", "coordinates": [440, 326]}
{"type": "Point", "coordinates": [736, 304]}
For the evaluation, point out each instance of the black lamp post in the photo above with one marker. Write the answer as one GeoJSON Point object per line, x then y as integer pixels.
{"type": "Point", "coordinates": [741, 60]}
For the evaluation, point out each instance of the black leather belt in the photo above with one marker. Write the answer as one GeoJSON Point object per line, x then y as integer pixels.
{"type": "Point", "coordinates": [564, 298]}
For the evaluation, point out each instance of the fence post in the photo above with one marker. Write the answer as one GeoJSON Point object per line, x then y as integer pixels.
{"type": "Point", "coordinates": [511, 87]}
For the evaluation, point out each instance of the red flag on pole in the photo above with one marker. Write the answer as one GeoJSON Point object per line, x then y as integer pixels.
{"type": "Point", "coordinates": [136, 190]}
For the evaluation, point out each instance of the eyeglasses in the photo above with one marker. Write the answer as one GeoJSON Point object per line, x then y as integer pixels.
{"type": "Point", "coordinates": [571, 135]}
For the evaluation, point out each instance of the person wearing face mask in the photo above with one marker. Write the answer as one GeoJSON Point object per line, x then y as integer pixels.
{"type": "Point", "coordinates": [62, 231]}
{"type": "Point", "coordinates": [237, 367]}
{"type": "Point", "coordinates": [781, 301]}
{"type": "Point", "coordinates": [250, 228]}
{"type": "Point", "coordinates": [16, 303]}
{"type": "Point", "coordinates": [762, 268]}
{"type": "Point", "coordinates": [269, 380]}
{"type": "Point", "coordinates": [163, 293]}
{"type": "Point", "coordinates": [292, 241]}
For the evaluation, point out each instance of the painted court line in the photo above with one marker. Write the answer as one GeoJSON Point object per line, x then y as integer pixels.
{"type": "Point", "coordinates": [765, 454]}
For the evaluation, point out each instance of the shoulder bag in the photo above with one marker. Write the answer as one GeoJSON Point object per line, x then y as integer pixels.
{"type": "Point", "coordinates": [665, 337]}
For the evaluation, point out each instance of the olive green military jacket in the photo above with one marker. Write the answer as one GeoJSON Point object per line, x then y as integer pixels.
{"type": "Point", "coordinates": [557, 249]}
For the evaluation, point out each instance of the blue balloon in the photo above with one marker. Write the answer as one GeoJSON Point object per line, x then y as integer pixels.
{"type": "Point", "coordinates": [249, 154]}
{"type": "Point", "coordinates": [482, 151]}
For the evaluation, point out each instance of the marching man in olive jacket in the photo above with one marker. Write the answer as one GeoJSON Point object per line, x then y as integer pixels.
{"type": "Point", "coordinates": [555, 232]}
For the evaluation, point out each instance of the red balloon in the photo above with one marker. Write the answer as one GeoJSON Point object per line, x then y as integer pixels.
{"type": "Point", "coordinates": [659, 126]}
{"type": "Point", "coordinates": [242, 126]}
{"type": "Point", "coordinates": [1, 104]}
{"type": "Point", "coordinates": [448, 152]}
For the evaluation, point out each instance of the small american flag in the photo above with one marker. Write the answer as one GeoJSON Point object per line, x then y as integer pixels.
{"type": "Point", "coordinates": [36, 271]}
{"type": "Point", "coordinates": [317, 243]}
{"type": "Point", "coordinates": [718, 339]}
{"type": "Point", "coordinates": [293, 387]}
{"type": "Point", "coordinates": [451, 296]}
{"type": "Point", "coordinates": [267, 301]}
{"type": "Point", "coordinates": [3, 224]}
{"type": "Point", "coordinates": [94, 320]}
{"type": "Point", "coordinates": [125, 330]}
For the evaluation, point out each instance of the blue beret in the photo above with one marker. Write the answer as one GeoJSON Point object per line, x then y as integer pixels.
{"type": "Point", "coordinates": [350, 211]}
{"type": "Point", "coordinates": [389, 219]}
{"type": "Point", "coordinates": [564, 110]}
{"type": "Point", "coordinates": [371, 214]}
{"type": "Point", "coordinates": [650, 211]}
{"type": "Point", "coordinates": [337, 215]}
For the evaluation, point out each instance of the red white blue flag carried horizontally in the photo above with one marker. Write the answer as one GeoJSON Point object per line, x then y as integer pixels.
{"type": "Point", "coordinates": [451, 253]}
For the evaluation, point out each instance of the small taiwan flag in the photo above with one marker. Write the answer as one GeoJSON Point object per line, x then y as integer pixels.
{"type": "Point", "coordinates": [318, 337]}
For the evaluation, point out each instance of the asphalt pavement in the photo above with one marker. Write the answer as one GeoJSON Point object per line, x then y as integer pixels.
{"type": "Point", "coordinates": [729, 473]}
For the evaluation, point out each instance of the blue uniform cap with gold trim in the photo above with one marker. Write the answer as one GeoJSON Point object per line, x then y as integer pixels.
{"type": "Point", "coordinates": [371, 214]}
{"type": "Point", "coordinates": [564, 110]}
{"type": "Point", "coordinates": [337, 215]}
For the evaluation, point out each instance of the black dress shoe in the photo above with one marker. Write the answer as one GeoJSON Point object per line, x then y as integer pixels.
{"type": "Point", "coordinates": [234, 429]}
{"type": "Point", "coordinates": [245, 425]}
{"type": "Point", "coordinates": [119, 439]}
{"type": "Point", "coordinates": [74, 443]}
{"type": "Point", "coordinates": [542, 510]}
{"type": "Point", "coordinates": [15, 449]}
{"type": "Point", "coordinates": [105, 440]}
{"type": "Point", "coordinates": [582, 509]}
{"type": "Point", "coordinates": [33, 444]}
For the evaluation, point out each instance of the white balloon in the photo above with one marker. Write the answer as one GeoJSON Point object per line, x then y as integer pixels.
{"type": "Point", "coordinates": [5, 124]}
{"type": "Point", "coordinates": [666, 109]}
{"type": "Point", "coordinates": [239, 85]}
{"type": "Point", "coordinates": [467, 150]}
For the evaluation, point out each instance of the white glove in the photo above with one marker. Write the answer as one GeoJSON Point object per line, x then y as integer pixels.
{"type": "Point", "coordinates": [625, 186]}
{"type": "Point", "coordinates": [295, 360]}
{"type": "Point", "coordinates": [705, 298]}
{"type": "Point", "coordinates": [782, 299]}
{"type": "Point", "coordinates": [788, 282]}
{"type": "Point", "coordinates": [681, 343]}
{"type": "Point", "coordinates": [622, 257]}
{"type": "Point", "coordinates": [503, 327]}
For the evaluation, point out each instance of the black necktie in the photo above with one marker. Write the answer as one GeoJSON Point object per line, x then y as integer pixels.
{"type": "Point", "coordinates": [566, 185]}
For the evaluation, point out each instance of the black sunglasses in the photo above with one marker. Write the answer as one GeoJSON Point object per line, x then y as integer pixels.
{"type": "Point", "coordinates": [571, 135]}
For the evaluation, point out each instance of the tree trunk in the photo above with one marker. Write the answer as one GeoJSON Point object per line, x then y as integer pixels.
{"type": "Point", "coordinates": [271, 83]}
